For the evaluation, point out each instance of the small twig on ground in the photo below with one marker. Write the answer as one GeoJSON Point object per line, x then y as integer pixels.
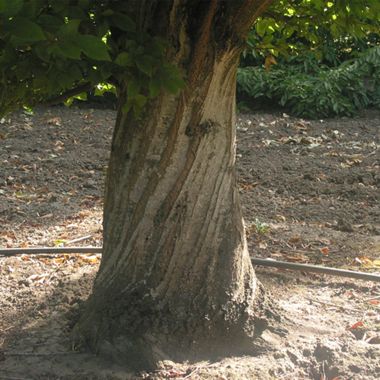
{"type": "Point", "coordinates": [7, 328]}
{"type": "Point", "coordinates": [12, 378]}
{"type": "Point", "coordinates": [53, 273]}
{"type": "Point", "coordinates": [79, 239]}
{"type": "Point", "coordinates": [372, 298]}
{"type": "Point", "coordinates": [20, 224]}
{"type": "Point", "coordinates": [195, 370]}
{"type": "Point", "coordinates": [331, 304]}
{"type": "Point", "coordinates": [198, 368]}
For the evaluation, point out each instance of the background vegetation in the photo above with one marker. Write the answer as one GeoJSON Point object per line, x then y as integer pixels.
{"type": "Point", "coordinates": [314, 58]}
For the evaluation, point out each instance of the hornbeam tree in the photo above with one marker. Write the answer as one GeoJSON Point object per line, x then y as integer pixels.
{"type": "Point", "coordinates": [175, 280]}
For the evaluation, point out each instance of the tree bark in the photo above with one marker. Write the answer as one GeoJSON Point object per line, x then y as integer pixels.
{"type": "Point", "coordinates": [176, 280]}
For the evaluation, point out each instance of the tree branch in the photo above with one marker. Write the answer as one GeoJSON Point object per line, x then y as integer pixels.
{"type": "Point", "coordinates": [69, 93]}
{"type": "Point", "coordinates": [247, 13]}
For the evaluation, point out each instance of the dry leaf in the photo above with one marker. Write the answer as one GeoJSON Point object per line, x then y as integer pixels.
{"type": "Point", "coordinates": [263, 245]}
{"type": "Point", "coordinates": [269, 61]}
{"type": "Point", "coordinates": [356, 325]}
{"type": "Point", "coordinates": [39, 278]}
{"type": "Point", "coordinates": [297, 258]}
{"type": "Point", "coordinates": [248, 186]}
{"type": "Point", "coordinates": [294, 239]}
{"type": "Point", "coordinates": [93, 259]}
{"type": "Point", "coordinates": [325, 251]}
{"type": "Point", "coordinates": [364, 260]}
{"type": "Point", "coordinates": [55, 121]}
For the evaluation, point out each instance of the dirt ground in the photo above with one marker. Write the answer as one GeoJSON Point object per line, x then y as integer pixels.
{"type": "Point", "coordinates": [310, 194]}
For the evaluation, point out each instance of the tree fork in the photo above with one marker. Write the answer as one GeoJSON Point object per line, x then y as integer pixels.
{"type": "Point", "coordinates": [176, 280]}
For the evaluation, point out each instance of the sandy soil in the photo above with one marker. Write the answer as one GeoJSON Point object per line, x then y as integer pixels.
{"type": "Point", "coordinates": [310, 193]}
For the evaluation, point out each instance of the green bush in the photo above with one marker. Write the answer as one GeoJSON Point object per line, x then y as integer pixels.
{"type": "Point", "coordinates": [306, 88]}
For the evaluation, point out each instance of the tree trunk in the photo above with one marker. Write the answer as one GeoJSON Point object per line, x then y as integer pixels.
{"type": "Point", "coordinates": [176, 280]}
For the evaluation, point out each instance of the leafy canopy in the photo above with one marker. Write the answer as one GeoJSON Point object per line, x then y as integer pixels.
{"type": "Point", "coordinates": [49, 47]}
{"type": "Point", "coordinates": [291, 27]}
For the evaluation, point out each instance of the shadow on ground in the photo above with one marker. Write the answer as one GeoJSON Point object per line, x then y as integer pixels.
{"type": "Point", "coordinates": [315, 339]}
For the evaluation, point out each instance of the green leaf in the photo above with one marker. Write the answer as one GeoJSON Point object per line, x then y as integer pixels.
{"type": "Point", "coordinates": [26, 30]}
{"type": "Point", "coordinates": [171, 79]}
{"type": "Point", "coordinates": [108, 12]}
{"type": "Point", "coordinates": [10, 7]}
{"type": "Point", "coordinates": [102, 88]}
{"type": "Point", "coordinates": [69, 28]}
{"type": "Point", "coordinates": [145, 64]}
{"type": "Point", "coordinates": [41, 52]}
{"type": "Point", "coordinates": [122, 22]}
{"type": "Point", "coordinates": [59, 6]}
{"type": "Point", "coordinates": [127, 106]}
{"type": "Point", "coordinates": [94, 75]}
{"type": "Point", "coordinates": [93, 47]}
{"type": "Point", "coordinates": [69, 49]}
{"type": "Point", "coordinates": [157, 46]}
{"type": "Point", "coordinates": [31, 9]}
{"type": "Point", "coordinates": [133, 88]}
{"type": "Point", "coordinates": [140, 101]}
{"type": "Point", "coordinates": [75, 12]}
{"type": "Point", "coordinates": [82, 96]}
{"type": "Point", "coordinates": [64, 79]}
{"type": "Point", "coordinates": [154, 87]}
{"type": "Point", "coordinates": [59, 242]}
{"type": "Point", "coordinates": [261, 27]}
{"type": "Point", "coordinates": [49, 22]}
{"type": "Point", "coordinates": [123, 59]}
{"type": "Point", "coordinates": [84, 4]}
{"type": "Point", "coordinates": [75, 71]}
{"type": "Point", "coordinates": [173, 85]}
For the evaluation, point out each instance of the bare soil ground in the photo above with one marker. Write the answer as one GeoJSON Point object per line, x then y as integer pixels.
{"type": "Point", "coordinates": [310, 193]}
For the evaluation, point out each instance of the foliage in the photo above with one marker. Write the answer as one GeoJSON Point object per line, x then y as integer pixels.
{"type": "Point", "coordinates": [53, 49]}
{"type": "Point", "coordinates": [312, 90]}
{"type": "Point", "coordinates": [49, 47]}
{"type": "Point", "coordinates": [321, 58]}
{"type": "Point", "coordinates": [261, 228]}
{"type": "Point", "coordinates": [328, 29]}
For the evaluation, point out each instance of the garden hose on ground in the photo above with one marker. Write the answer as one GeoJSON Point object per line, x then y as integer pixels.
{"type": "Point", "coordinates": [256, 261]}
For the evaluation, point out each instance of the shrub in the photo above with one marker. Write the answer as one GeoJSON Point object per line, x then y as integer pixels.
{"type": "Point", "coordinates": [306, 88]}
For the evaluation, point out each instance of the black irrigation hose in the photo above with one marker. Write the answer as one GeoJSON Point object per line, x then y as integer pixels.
{"type": "Point", "coordinates": [48, 250]}
{"type": "Point", "coordinates": [256, 261]}
{"type": "Point", "coordinates": [317, 269]}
